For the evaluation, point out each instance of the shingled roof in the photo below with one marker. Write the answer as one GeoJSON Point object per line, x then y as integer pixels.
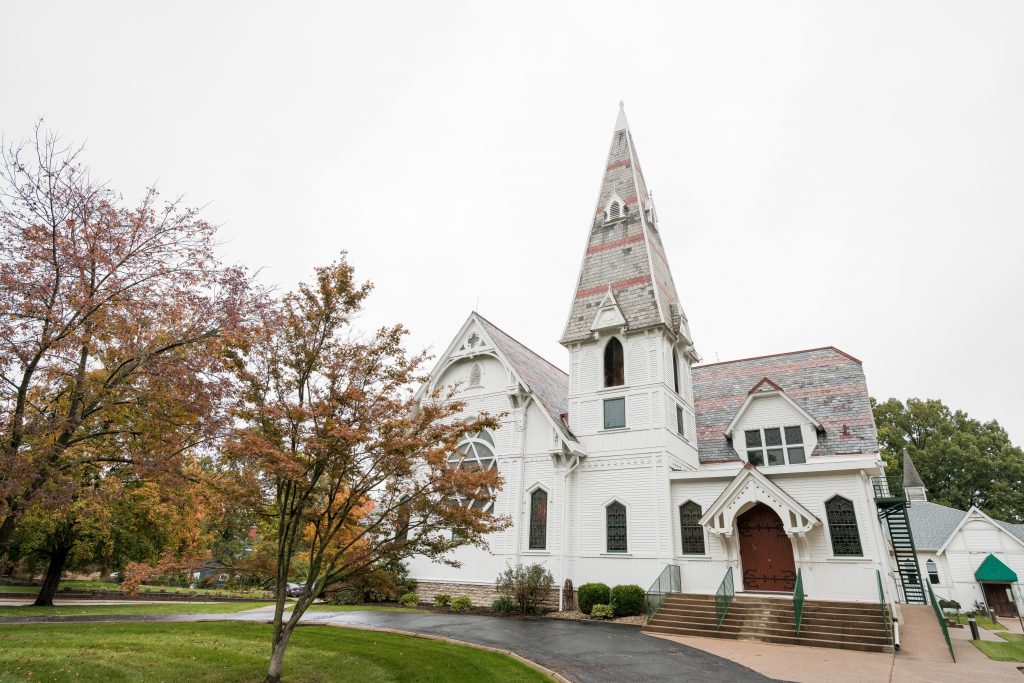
{"type": "Point", "coordinates": [826, 383]}
{"type": "Point", "coordinates": [932, 524]}
{"type": "Point", "coordinates": [624, 253]}
{"type": "Point", "coordinates": [549, 383]}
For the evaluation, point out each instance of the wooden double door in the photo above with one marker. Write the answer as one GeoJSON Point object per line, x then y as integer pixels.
{"type": "Point", "coordinates": [766, 552]}
{"type": "Point", "coordinates": [997, 595]}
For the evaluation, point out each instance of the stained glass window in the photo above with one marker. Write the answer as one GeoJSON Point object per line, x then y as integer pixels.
{"type": "Point", "coordinates": [693, 532]}
{"type": "Point", "coordinates": [475, 453]}
{"type": "Point", "coordinates": [615, 517]}
{"type": "Point", "coordinates": [842, 526]}
{"type": "Point", "coordinates": [538, 520]}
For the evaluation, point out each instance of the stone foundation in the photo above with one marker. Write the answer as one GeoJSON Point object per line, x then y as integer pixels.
{"type": "Point", "coordinates": [481, 594]}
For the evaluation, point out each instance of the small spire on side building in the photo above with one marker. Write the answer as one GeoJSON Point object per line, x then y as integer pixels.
{"type": "Point", "coordinates": [912, 482]}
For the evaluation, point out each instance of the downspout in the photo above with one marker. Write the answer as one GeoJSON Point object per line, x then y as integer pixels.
{"type": "Point", "coordinates": [565, 526]}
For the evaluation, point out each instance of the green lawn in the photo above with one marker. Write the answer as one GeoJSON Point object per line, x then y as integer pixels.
{"type": "Point", "coordinates": [111, 586]}
{"type": "Point", "coordinates": [92, 610]}
{"type": "Point", "coordinates": [224, 651]}
{"type": "Point", "coordinates": [983, 621]}
{"type": "Point", "coordinates": [1003, 652]}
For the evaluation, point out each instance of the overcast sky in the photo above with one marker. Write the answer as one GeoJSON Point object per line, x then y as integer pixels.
{"type": "Point", "coordinates": [847, 174]}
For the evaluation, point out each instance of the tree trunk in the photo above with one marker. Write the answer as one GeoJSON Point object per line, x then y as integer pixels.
{"type": "Point", "coordinates": [277, 657]}
{"type": "Point", "coordinates": [58, 558]}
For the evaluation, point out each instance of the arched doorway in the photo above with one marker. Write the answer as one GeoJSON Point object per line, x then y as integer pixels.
{"type": "Point", "coordinates": [766, 552]}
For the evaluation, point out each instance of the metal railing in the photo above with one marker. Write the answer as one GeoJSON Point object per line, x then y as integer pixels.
{"type": "Point", "coordinates": [942, 621]}
{"type": "Point", "coordinates": [723, 598]}
{"type": "Point", "coordinates": [798, 600]}
{"type": "Point", "coordinates": [888, 488]}
{"type": "Point", "coordinates": [881, 605]}
{"type": "Point", "coordinates": [670, 580]}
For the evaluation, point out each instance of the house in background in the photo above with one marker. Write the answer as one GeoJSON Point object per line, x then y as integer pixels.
{"type": "Point", "coordinates": [967, 556]}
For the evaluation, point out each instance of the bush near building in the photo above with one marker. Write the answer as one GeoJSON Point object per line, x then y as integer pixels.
{"type": "Point", "coordinates": [590, 594]}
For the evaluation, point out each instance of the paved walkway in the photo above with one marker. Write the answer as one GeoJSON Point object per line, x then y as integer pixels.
{"type": "Point", "coordinates": [578, 651]}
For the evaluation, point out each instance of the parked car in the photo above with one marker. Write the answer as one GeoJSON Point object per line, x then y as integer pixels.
{"type": "Point", "coordinates": [294, 590]}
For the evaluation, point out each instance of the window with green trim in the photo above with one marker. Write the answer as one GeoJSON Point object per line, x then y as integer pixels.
{"type": "Point", "coordinates": [615, 526]}
{"type": "Point", "coordinates": [692, 532]}
{"type": "Point", "coordinates": [842, 527]}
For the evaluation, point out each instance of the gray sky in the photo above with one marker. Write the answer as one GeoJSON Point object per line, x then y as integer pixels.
{"type": "Point", "coordinates": [825, 173]}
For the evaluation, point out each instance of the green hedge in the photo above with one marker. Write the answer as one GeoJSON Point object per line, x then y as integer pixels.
{"type": "Point", "coordinates": [628, 601]}
{"type": "Point", "coordinates": [590, 594]}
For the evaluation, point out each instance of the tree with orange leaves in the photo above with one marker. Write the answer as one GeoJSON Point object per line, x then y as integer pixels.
{"type": "Point", "coordinates": [353, 470]}
{"type": "Point", "coordinates": [113, 319]}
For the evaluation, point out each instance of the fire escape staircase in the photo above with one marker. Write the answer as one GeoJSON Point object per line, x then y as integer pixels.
{"type": "Point", "coordinates": [892, 503]}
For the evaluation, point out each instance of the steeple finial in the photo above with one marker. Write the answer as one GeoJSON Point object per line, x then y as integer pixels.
{"type": "Point", "coordinates": [912, 482]}
{"type": "Point", "coordinates": [621, 123]}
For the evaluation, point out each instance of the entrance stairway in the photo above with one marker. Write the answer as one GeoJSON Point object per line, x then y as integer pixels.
{"type": "Point", "coordinates": [846, 625]}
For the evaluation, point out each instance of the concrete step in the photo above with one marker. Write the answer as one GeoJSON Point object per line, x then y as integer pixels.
{"type": "Point", "coordinates": [792, 639]}
{"type": "Point", "coordinates": [872, 631]}
{"type": "Point", "coordinates": [779, 611]}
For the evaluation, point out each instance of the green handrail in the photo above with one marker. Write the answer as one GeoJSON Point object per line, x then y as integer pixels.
{"type": "Point", "coordinates": [881, 605]}
{"type": "Point", "coordinates": [669, 581]}
{"type": "Point", "coordinates": [798, 600]}
{"type": "Point", "coordinates": [942, 621]}
{"type": "Point", "coordinates": [723, 597]}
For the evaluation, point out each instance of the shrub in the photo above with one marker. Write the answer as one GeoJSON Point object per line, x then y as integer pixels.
{"type": "Point", "coordinates": [442, 600]}
{"type": "Point", "coordinates": [525, 586]}
{"type": "Point", "coordinates": [628, 601]}
{"type": "Point", "coordinates": [503, 605]}
{"type": "Point", "coordinates": [409, 600]}
{"type": "Point", "coordinates": [344, 596]}
{"type": "Point", "coordinates": [602, 612]}
{"type": "Point", "coordinates": [590, 594]}
{"type": "Point", "coordinates": [949, 604]}
{"type": "Point", "coordinates": [462, 604]}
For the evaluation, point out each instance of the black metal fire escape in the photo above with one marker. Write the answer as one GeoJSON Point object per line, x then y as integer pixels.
{"type": "Point", "coordinates": [892, 503]}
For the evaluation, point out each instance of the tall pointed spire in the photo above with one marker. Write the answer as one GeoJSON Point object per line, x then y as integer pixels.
{"type": "Point", "coordinates": [912, 482]}
{"type": "Point", "coordinates": [624, 252]}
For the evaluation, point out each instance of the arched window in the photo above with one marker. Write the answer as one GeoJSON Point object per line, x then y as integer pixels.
{"type": "Point", "coordinates": [474, 375]}
{"type": "Point", "coordinates": [615, 524]}
{"type": "Point", "coordinates": [693, 533]}
{"type": "Point", "coordinates": [539, 520]}
{"type": "Point", "coordinates": [402, 523]}
{"type": "Point", "coordinates": [615, 211]}
{"type": "Point", "coordinates": [842, 527]}
{"type": "Point", "coordinates": [614, 374]}
{"type": "Point", "coordinates": [475, 452]}
{"type": "Point", "coordinates": [933, 571]}
{"type": "Point", "coordinates": [675, 371]}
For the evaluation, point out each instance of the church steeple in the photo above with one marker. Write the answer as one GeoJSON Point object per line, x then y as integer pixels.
{"type": "Point", "coordinates": [912, 482]}
{"type": "Point", "coordinates": [624, 254]}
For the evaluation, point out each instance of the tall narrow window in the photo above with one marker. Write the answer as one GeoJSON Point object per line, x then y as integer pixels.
{"type": "Point", "coordinates": [842, 527]}
{"type": "Point", "coordinates": [693, 533]}
{"type": "Point", "coordinates": [615, 522]}
{"type": "Point", "coordinates": [402, 523]}
{"type": "Point", "coordinates": [675, 370]}
{"type": "Point", "coordinates": [680, 423]}
{"type": "Point", "coordinates": [613, 364]}
{"type": "Point", "coordinates": [539, 520]}
{"type": "Point", "coordinates": [474, 375]}
{"type": "Point", "coordinates": [933, 571]}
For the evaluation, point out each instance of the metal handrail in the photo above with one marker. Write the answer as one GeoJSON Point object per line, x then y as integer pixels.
{"type": "Point", "coordinates": [798, 600]}
{"type": "Point", "coordinates": [723, 597]}
{"type": "Point", "coordinates": [668, 581]}
{"type": "Point", "coordinates": [881, 604]}
{"type": "Point", "coordinates": [942, 621]}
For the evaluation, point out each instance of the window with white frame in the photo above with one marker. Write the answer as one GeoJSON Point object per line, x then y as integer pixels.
{"type": "Point", "coordinates": [474, 375]}
{"type": "Point", "coordinates": [933, 571]}
{"type": "Point", "coordinates": [615, 527]}
{"type": "Point", "coordinates": [775, 446]}
{"type": "Point", "coordinates": [476, 452]}
{"type": "Point", "coordinates": [614, 413]}
{"type": "Point", "coordinates": [680, 421]}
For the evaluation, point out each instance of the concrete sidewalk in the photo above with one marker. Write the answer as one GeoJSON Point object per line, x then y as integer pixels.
{"type": "Point", "coordinates": [923, 656]}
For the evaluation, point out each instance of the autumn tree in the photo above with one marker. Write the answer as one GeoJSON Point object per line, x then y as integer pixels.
{"type": "Point", "coordinates": [354, 472]}
{"type": "Point", "coordinates": [112, 321]}
{"type": "Point", "coordinates": [964, 462]}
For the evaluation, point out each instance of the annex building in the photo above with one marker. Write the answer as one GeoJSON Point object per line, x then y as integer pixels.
{"type": "Point", "coordinates": [643, 459]}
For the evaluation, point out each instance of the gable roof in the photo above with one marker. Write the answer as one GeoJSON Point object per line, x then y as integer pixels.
{"type": "Point", "coordinates": [932, 524]}
{"type": "Point", "coordinates": [548, 383]}
{"type": "Point", "coordinates": [826, 383]}
{"type": "Point", "coordinates": [624, 252]}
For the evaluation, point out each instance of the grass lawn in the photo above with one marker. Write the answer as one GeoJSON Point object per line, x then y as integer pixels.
{"type": "Point", "coordinates": [111, 586]}
{"type": "Point", "coordinates": [239, 652]}
{"type": "Point", "coordinates": [983, 621]}
{"type": "Point", "coordinates": [172, 608]}
{"type": "Point", "coordinates": [1012, 651]}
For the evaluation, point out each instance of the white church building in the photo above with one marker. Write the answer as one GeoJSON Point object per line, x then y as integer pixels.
{"type": "Point", "coordinates": [643, 457]}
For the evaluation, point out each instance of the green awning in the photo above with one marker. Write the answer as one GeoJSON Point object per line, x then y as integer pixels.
{"type": "Point", "coordinates": [994, 571]}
